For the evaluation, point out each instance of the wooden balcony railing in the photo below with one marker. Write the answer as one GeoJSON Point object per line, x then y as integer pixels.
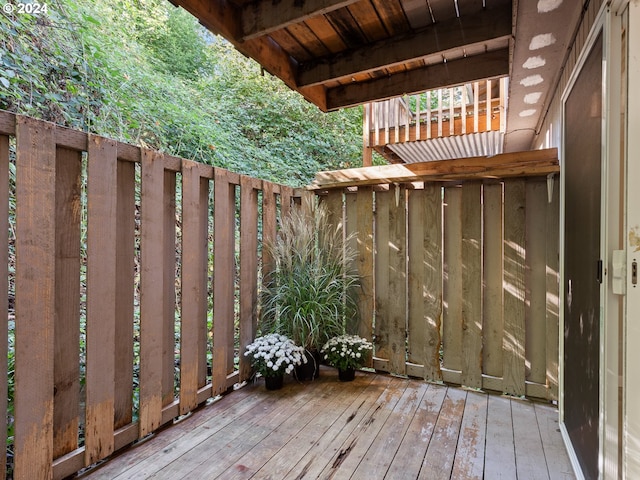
{"type": "Point", "coordinates": [472, 108]}
{"type": "Point", "coordinates": [158, 328]}
{"type": "Point", "coordinates": [133, 276]}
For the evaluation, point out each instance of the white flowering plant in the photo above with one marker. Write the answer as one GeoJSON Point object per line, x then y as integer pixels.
{"type": "Point", "coordinates": [274, 354]}
{"type": "Point", "coordinates": [346, 351]}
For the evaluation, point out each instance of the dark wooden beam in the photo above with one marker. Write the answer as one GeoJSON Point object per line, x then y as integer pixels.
{"type": "Point", "coordinates": [223, 18]}
{"type": "Point", "coordinates": [519, 164]}
{"type": "Point", "coordinates": [455, 72]}
{"type": "Point", "coordinates": [263, 17]}
{"type": "Point", "coordinates": [441, 37]}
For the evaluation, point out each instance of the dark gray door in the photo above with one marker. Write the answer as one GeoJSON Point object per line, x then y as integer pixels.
{"type": "Point", "coordinates": [583, 269]}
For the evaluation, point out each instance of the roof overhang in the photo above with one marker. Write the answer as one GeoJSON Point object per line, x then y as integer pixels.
{"type": "Point", "coordinates": [341, 53]}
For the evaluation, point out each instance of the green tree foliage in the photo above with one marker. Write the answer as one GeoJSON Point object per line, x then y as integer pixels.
{"type": "Point", "coordinates": [145, 72]}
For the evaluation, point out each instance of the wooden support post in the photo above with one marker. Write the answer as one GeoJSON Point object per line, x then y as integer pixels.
{"type": "Point", "coordinates": [367, 151]}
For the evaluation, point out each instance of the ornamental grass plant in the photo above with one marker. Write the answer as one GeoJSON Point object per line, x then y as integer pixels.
{"type": "Point", "coordinates": [273, 355]}
{"type": "Point", "coordinates": [346, 351]}
{"type": "Point", "coordinates": [310, 294]}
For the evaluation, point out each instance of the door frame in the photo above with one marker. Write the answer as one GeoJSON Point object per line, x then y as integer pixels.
{"type": "Point", "coordinates": [631, 373]}
{"type": "Point", "coordinates": [616, 439]}
{"type": "Point", "coordinates": [610, 233]}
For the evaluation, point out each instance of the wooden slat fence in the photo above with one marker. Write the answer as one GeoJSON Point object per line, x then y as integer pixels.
{"type": "Point", "coordinates": [167, 305]}
{"type": "Point", "coordinates": [460, 281]}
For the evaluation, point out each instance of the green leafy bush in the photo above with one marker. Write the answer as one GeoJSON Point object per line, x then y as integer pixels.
{"type": "Point", "coordinates": [145, 72]}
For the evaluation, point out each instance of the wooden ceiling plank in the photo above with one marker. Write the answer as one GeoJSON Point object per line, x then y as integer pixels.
{"type": "Point", "coordinates": [303, 34]}
{"type": "Point", "coordinates": [456, 72]}
{"type": "Point", "coordinates": [366, 16]}
{"type": "Point", "coordinates": [346, 26]}
{"type": "Point", "coordinates": [262, 17]}
{"type": "Point", "coordinates": [325, 32]}
{"type": "Point", "coordinates": [447, 35]}
{"type": "Point", "coordinates": [531, 163]}
{"type": "Point", "coordinates": [221, 17]}
{"type": "Point", "coordinates": [392, 15]}
{"type": "Point", "coordinates": [292, 46]}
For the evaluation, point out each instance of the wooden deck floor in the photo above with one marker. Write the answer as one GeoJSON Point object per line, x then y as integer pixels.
{"type": "Point", "coordinates": [376, 427]}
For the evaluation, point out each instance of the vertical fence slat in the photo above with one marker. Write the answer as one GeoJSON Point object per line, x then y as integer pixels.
{"type": "Point", "coordinates": [151, 291]}
{"type": "Point", "coordinates": [286, 194]}
{"type": "Point", "coordinates": [248, 268]}
{"type": "Point", "coordinates": [452, 315]}
{"type": "Point", "coordinates": [193, 261]}
{"type": "Point", "coordinates": [224, 279]}
{"type": "Point", "coordinates": [35, 298]}
{"type": "Point", "coordinates": [428, 115]}
{"type": "Point", "coordinates": [169, 287]}
{"type": "Point", "coordinates": [66, 404]}
{"type": "Point", "coordinates": [476, 105]}
{"type": "Point", "coordinates": [387, 116]}
{"type": "Point", "coordinates": [397, 281]}
{"type": "Point", "coordinates": [335, 208]}
{"type": "Point", "coordinates": [440, 112]}
{"type": "Point", "coordinates": [269, 223]}
{"type": "Point", "coordinates": [365, 261]}
{"type": "Point", "coordinates": [493, 324]}
{"type": "Point", "coordinates": [101, 297]}
{"type": "Point", "coordinates": [451, 113]}
{"type": "Point", "coordinates": [407, 118]}
{"type": "Point", "coordinates": [4, 302]}
{"type": "Point", "coordinates": [125, 251]}
{"type": "Point", "coordinates": [472, 284]}
{"type": "Point", "coordinates": [417, 99]}
{"type": "Point", "coordinates": [553, 289]}
{"type": "Point", "coordinates": [535, 280]}
{"type": "Point", "coordinates": [463, 109]}
{"type": "Point", "coordinates": [425, 278]}
{"type": "Point", "coordinates": [382, 327]}
{"type": "Point", "coordinates": [488, 107]}
{"type": "Point", "coordinates": [514, 287]}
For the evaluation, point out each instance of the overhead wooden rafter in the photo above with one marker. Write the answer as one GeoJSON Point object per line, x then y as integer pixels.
{"type": "Point", "coordinates": [339, 53]}
{"type": "Point", "coordinates": [490, 26]}
{"type": "Point", "coordinates": [507, 165]}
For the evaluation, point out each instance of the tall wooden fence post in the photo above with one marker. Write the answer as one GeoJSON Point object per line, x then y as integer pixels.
{"type": "Point", "coordinates": [35, 298]}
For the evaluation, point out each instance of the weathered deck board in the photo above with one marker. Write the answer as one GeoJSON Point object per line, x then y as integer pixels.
{"type": "Point", "coordinates": [378, 426]}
